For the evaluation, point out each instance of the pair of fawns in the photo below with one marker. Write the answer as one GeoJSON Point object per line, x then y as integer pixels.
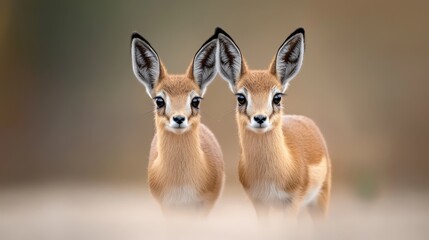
{"type": "Point", "coordinates": [284, 162]}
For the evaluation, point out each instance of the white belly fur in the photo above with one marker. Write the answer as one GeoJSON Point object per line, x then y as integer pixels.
{"type": "Point", "coordinates": [269, 193]}
{"type": "Point", "coordinates": [182, 196]}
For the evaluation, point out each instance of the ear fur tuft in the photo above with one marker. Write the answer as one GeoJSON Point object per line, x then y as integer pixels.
{"type": "Point", "coordinates": [289, 57]}
{"type": "Point", "coordinates": [230, 62]}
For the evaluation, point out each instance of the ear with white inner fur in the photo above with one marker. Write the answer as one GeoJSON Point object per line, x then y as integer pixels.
{"type": "Point", "coordinates": [289, 58]}
{"type": "Point", "coordinates": [203, 68]}
{"type": "Point", "coordinates": [146, 65]}
{"type": "Point", "coordinates": [230, 61]}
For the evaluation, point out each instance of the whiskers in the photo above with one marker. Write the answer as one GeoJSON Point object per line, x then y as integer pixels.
{"type": "Point", "coordinates": [146, 114]}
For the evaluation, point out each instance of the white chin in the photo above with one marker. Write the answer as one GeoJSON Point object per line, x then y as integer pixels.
{"type": "Point", "coordinates": [177, 130]}
{"type": "Point", "coordinates": [258, 129]}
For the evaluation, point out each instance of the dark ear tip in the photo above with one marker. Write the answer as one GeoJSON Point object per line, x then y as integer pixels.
{"type": "Point", "coordinates": [136, 35]}
{"type": "Point", "coordinates": [219, 30]}
{"type": "Point", "coordinates": [299, 30]}
{"type": "Point", "coordinates": [214, 36]}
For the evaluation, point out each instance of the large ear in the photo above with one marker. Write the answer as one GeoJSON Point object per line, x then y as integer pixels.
{"type": "Point", "coordinates": [203, 67]}
{"type": "Point", "coordinates": [146, 65]}
{"type": "Point", "coordinates": [288, 60]}
{"type": "Point", "coordinates": [230, 61]}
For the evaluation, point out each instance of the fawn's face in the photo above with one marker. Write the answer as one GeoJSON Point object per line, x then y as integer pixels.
{"type": "Point", "coordinates": [259, 93]}
{"type": "Point", "coordinates": [259, 97]}
{"type": "Point", "coordinates": [176, 97]}
{"type": "Point", "coordinates": [177, 102]}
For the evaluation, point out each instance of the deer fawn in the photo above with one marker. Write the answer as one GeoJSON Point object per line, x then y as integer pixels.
{"type": "Point", "coordinates": [185, 169]}
{"type": "Point", "coordinates": [284, 162]}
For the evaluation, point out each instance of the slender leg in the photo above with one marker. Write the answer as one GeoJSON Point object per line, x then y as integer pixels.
{"type": "Point", "coordinates": [291, 211]}
{"type": "Point", "coordinates": [319, 208]}
{"type": "Point", "coordinates": [262, 210]}
{"type": "Point", "coordinates": [287, 209]}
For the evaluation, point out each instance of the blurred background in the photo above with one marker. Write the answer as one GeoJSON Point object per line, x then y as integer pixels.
{"type": "Point", "coordinates": [75, 124]}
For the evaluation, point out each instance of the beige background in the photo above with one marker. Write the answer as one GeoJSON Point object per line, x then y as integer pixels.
{"type": "Point", "coordinates": [72, 113]}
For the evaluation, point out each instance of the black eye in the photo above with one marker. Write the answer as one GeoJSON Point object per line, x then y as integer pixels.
{"type": "Point", "coordinates": [159, 101]}
{"type": "Point", "coordinates": [277, 98]}
{"type": "Point", "coordinates": [195, 103]}
{"type": "Point", "coordinates": [241, 99]}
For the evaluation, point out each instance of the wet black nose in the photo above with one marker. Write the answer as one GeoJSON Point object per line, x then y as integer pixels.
{"type": "Point", "coordinates": [179, 119]}
{"type": "Point", "coordinates": [260, 118]}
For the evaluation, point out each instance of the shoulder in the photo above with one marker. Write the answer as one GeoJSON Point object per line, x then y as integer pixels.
{"type": "Point", "coordinates": [297, 119]}
{"type": "Point", "coordinates": [301, 127]}
{"type": "Point", "coordinates": [206, 133]}
{"type": "Point", "coordinates": [209, 143]}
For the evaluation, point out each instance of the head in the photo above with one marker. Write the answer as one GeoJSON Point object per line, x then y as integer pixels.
{"type": "Point", "coordinates": [176, 97]}
{"type": "Point", "coordinates": [259, 93]}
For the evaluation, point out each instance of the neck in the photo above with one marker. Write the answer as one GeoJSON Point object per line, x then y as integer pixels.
{"type": "Point", "coordinates": [268, 147]}
{"type": "Point", "coordinates": [179, 150]}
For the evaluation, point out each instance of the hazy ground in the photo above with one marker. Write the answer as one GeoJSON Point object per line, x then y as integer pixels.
{"type": "Point", "coordinates": [124, 212]}
{"type": "Point", "coordinates": [71, 109]}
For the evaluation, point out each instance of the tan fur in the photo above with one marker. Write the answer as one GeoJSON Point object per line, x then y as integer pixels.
{"type": "Point", "coordinates": [291, 158]}
{"type": "Point", "coordinates": [190, 160]}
